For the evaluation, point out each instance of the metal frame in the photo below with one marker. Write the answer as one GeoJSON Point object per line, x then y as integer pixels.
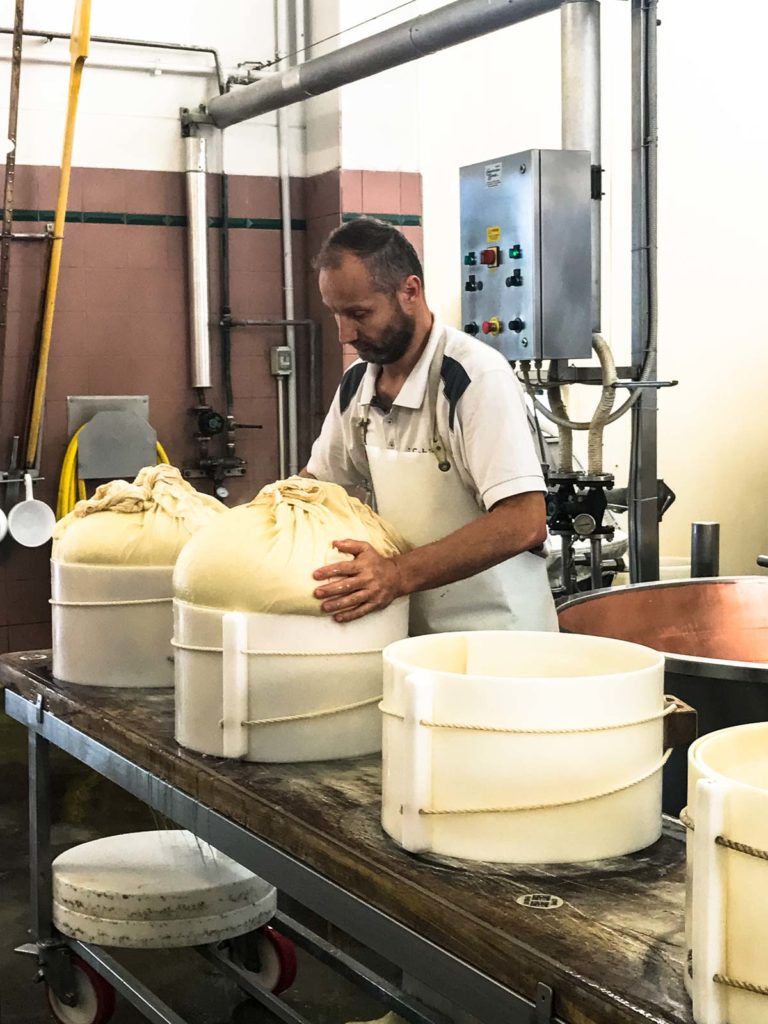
{"type": "Point", "coordinates": [463, 985]}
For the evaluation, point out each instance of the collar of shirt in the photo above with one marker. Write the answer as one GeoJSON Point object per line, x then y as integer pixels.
{"type": "Point", "coordinates": [411, 394]}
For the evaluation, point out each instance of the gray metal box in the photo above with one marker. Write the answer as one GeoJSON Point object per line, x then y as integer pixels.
{"type": "Point", "coordinates": [526, 254]}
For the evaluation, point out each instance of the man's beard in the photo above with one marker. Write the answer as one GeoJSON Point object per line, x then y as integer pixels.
{"type": "Point", "coordinates": [393, 343]}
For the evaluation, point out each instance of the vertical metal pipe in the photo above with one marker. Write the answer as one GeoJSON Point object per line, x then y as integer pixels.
{"type": "Point", "coordinates": [705, 549]}
{"type": "Point", "coordinates": [596, 562]}
{"type": "Point", "coordinates": [580, 85]}
{"type": "Point", "coordinates": [10, 177]}
{"type": "Point", "coordinates": [281, 426]}
{"type": "Point", "coordinates": [197, 259]}
{"type": "Point", "coordinates": [567, 566]}
{"type": "Point", "coordinates": [289, 305]}
{"type": "Point", "coordinates": [40, 881]}
{"type": "Point", "coordinates": [643, 499]}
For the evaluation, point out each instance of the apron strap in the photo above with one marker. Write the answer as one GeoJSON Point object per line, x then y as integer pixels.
{"type": "Point", "coordinates": [437, 447]}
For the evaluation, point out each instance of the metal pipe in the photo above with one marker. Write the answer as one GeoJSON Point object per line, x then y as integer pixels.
{"type": "Point", "coordinates": [289, 307]}
{"type": "Point", "coordinates": [10, 178]}
{"type": "Point", "coordinates": [281, 426]}
{"type": "Point", "coordinates": [580, 87]}
{"type": "Point", "coordinates": [705, 549]}
{"type": "Point", "coordinates": [455, 23]}
{"type": "Point", "coordinates": [115, 41]}
{"type": "Point", "coordinates": [596, 562]}
{"type": "Point", "coordinates": [197, 259]}
{"type": "Point", "coordinates": [643, 488]}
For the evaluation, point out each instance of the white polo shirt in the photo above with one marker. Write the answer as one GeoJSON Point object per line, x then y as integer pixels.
{"type": "Point", "coordinates": [481, 419]}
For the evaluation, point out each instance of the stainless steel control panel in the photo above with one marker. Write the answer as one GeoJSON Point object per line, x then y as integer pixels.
{"type": "Point", "coordinates": [526, 254]}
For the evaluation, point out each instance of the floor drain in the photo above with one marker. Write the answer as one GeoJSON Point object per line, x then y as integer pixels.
{"type": "Point", "coordinates": [33, 656]}
{"type": "Point", "coordinates": [539, 901]}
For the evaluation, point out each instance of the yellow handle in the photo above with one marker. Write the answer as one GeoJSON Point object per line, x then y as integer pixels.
{"type": "Point", "coordinates": [78, 49]}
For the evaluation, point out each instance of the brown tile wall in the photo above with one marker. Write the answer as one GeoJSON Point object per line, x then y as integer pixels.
{"type": "Point", "coordinates": [121, 328]}
{"type": "Point", "coordinates": [121, 325]}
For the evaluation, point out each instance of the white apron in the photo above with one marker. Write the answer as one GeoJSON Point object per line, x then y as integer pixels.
{"type": "Point", "coordinates": [422, 495]}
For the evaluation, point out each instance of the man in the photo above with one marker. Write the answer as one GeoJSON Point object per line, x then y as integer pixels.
{"type": "Point", "coordinates": [433, 424]}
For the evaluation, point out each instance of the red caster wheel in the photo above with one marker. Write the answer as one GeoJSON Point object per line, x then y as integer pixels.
{"type": "Point", "coordinates": [276, 955]}
{"type": "Point", "coordinates": [95, 998]}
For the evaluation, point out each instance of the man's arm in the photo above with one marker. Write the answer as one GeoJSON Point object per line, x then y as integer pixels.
{"type": "Point", "coordinates": [370, 582]}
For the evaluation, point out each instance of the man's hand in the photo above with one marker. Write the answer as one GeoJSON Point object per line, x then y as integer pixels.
{"type": "Point", "coordinates": [365, 584]}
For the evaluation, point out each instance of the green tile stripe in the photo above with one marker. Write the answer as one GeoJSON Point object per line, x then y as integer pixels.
{"type": "Point", "coordinates": [157, 219]}
{"type": "Point", "coordinates": [403, 220]}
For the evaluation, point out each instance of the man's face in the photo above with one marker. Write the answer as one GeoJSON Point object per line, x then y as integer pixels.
{"type": "Point", "coordinates": [372, 322]}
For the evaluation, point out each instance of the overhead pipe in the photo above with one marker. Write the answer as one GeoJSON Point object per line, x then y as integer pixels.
{"type": "Point", "coordinates": [455, 23]}
{"type": "Point", "coordinates": [145, 43]}
{"type": "Point", "coordinates": [197, 259]}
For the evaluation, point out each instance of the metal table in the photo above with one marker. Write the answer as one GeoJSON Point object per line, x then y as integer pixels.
{"type": "Point", "coordinates": [577, 944]}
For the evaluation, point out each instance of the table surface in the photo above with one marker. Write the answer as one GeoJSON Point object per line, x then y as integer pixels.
{"type": "Point", "coordinates": [613, 953]}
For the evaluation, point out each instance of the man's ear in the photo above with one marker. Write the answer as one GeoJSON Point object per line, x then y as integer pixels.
{"type": "Point", "coordinates": [412, 289]}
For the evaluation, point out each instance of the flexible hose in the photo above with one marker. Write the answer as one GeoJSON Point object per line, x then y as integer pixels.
{"type": "Point", "coordinates": [565, 448]}
{"type": "Point", "coordinates": [604, 406]}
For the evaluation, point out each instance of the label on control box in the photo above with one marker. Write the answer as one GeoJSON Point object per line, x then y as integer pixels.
{"type": "Point", "coordinates": [493, 174]}
{"type": "Point", "coordinates": [493, 234]}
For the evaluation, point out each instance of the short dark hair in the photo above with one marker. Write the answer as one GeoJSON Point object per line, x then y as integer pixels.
{"type": "Point", "coordinates": [387, 254]}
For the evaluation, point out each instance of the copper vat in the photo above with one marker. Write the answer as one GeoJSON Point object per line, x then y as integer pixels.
{"type": "Point", "coordinates": [714, 635]}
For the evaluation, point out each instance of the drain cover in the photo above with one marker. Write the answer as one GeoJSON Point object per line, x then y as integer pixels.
{"type": "Point", "coordinates": [539, 901]}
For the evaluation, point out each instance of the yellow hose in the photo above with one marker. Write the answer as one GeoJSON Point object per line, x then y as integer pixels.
{"type": "Point", "coordinates": [78, 49]}
{"type": "Point", "coordinates": [71, 487]}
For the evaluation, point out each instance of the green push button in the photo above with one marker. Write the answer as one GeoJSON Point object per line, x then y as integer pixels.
{"type": "Point", "coordinates": [515, 253]}
{"type": "Point", "coordinates": [470, 259]}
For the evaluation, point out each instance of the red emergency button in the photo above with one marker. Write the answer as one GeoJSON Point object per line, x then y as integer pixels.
{"type": "Point", "coordinates": [492, 326]}
{"type": "Point", "coordinates": [490, 257]}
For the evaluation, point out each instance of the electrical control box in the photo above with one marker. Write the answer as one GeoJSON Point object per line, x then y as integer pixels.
{"type": "Point", "coordinates": [281, 361]}
{"type": "Point", "coordinates": [526, 254]}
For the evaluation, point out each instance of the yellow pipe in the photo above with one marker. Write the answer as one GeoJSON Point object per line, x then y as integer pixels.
{"type": "Point", "coordinates": [78, 48]}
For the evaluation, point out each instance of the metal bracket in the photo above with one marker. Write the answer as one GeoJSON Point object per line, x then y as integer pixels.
{"type": "Point", "coordinates": [192, 119]}
{"type": "Point", "coordinates": [542, 1004]}
{"type": "Point", "coordinates": [56, 968]}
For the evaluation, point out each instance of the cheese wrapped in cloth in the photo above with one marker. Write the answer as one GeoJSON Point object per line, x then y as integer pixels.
{"type": "Point", "coordinates": [261, 673]}
{"type": "Point", "coordinates": [112, 578]}
{"type": "Point", "coordinates": [260, 557]}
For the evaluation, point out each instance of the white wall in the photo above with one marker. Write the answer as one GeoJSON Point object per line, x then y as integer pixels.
{"type": "Point", "coordinates": [130, 118]}
{"type": "Point", "coordinates": [380, 128]}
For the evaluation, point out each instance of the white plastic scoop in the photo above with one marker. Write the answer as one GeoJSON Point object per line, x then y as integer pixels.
{"type": "Point", "coordinates": [31, 522]}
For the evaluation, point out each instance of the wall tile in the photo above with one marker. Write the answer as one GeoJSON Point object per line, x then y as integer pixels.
{"type": "Point", "coordinates": [323, 194]}
{"type": "Point", "coordinates": [34, 636]}
{"type": "Point", "coordinates": [253, 196]}
{"type": "Point", "coordinates": [255, 250]}
{"type": "Point", "coordinates": [144, 247]}
{"type": "Point", "coordinates": [104, 190]}
{"type": "Point", "coordinates": [381, 192]}
{"type": "Point", "coordinates": [22, 563]}
{"type": "Point", "coordinates": [256, 294]}
{"type": "Point", "coordinates": [102, 245]}
{"type": "Point", "coordinates": [410, 193]}
{"type": "Point", "coordinates": [351, 191]}
{"type": "Point", "coordinates": [160, 192]}
{"type": "Point", "coordinates": [415, 236]}
{"type": "Point", "coordinates": [27, 601]}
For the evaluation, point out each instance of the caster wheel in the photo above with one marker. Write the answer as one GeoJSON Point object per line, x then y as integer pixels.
{"type": "Point", "coordinates": [276, 956]}
{"type": "Point", "coordinates": [95, 998]}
